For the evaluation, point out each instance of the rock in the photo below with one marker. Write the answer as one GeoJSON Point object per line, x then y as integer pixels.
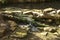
{"type": "Point", "coordinates": [3, 26]}
{"type": "Point", "coordinates": [19, 35]}
{"type": "Point", "coordinates": [39, 12]}
{"type": "Point", "coordinates": [58, 30]}
{"type": "Point", "coordinates": [34, 29]}
{"type": "Point", "coordinates": [20, 32]}
{"type": "Point", "coordinates": [59, 26]}
{"type": "Point", "coordinates": [27, 11]}
{"type": "Point", "coordinates": [51, 35]}
{"type": "Point", "coordinates": [53, 30]}
{"type": "Point", "coordinates": [55, 33]}
{"type": "Point", "coordinates": [12, 24]}
{"type": "Point", "coordinates": [48, 9]}
{"type": "Point", "coordinates": [24, 27]}
{"type": "Point", "coordinates": [50, 29]}
{"type": "Point", "coordinates": [49, 20]}
{"type": "Point", "coordinates": [44, 33]}
{"type": "Point", "coordinates": [40, 33]}
{"type": "Point", "coordinates": [47, 28]}
{"type": "Point", "coordinates": [41, 29]}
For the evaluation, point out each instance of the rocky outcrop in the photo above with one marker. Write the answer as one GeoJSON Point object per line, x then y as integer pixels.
{"type": "Point", "coordinates": [29, 24]}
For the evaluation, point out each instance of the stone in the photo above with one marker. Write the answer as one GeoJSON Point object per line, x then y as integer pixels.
{"type": "Point", "coordinates": [19, 33]}
{"type": "Point", "coordinates": [55, 33]}
{"type": "Point", "coordinates": [50, 29]}
{"type": "Point", "coordinates": [59, 26]}
{"type": "Point", "coordinates": [24, 27]}
{"type": "Point", "coordinates": [12, 24]}
{"type": "Point", "coordinates": [47, 28]}
{"type": "Point", "coordinates": [44, 33]}
{"type": "Point", "coordinates": [58, 30]}
{"type": "Point", "coordinates": [48, 9]}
